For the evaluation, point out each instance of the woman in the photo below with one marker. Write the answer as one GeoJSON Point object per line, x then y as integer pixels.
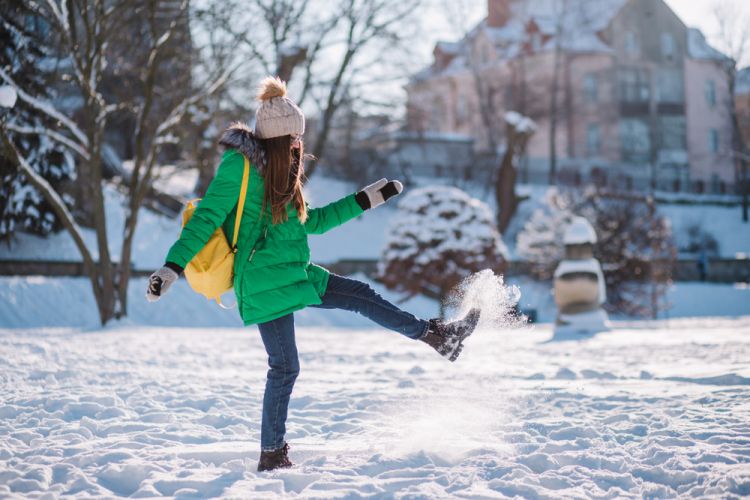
{"type": "Point", "coordinates": [273, 273]}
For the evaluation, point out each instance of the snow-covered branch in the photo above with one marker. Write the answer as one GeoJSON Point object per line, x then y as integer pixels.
{"type": "Point", "coordinates": [46, 108]}
{"type": "Point", "coordinates": [62, 139]}
{"type": "Point", "coordinates": [50, 195]}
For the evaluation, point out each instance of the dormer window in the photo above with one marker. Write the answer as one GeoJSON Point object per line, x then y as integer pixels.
{"type": "Point", "coordinates": [631, 45]}
{"type": "Point", "coordinates": [710, 91]}
{"type": "Point", "coordinates": [667, 46]}
{"type": "Point", "coordinates": [591, 88]}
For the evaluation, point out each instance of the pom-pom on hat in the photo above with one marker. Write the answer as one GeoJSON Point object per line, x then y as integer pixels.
{"type": "Point", "coordinates": [277, 115]}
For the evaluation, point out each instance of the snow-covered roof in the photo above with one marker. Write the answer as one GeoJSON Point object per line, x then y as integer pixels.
{"type": "Point", "coordinates": [699, 48]}
{"type": "Point", "coordinates": [743, 82]}
{"type": "Point", "coordinates": [577, 24]}
{"type": "Point", "coordinates": [589, 15]}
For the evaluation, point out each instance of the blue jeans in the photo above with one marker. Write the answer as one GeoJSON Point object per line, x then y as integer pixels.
{"type": "Point", "coordinates": [283, 362]}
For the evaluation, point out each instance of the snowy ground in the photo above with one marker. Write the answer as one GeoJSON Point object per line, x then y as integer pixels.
{"type": "Point", "coordinates": [156, 411]}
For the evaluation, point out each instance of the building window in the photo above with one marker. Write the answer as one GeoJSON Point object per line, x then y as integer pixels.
{"type": "Point", "coordinates": [462, 111]}
{"type": "Point", "coordinates": [671, 86]}
{"type": "Point", "coordinates": [710, 93]}
{"type": "Point", "coordinates": [436, 115]}
{"type": "Point", "coordinates": [667, 46]}
{"type": "Point", "coordinates": [713, 141]}
{"type": "Point", "coordinates": [635, 140]}
{"type": "Point", "coordinates": [631, 45]}
{"type": "Point", "coordinates": [591, 88]}
{"type": "Point", "coordinates": [593, 140]}
{"type": "Point", "coordinates": [715, 184]}
{"type": "Point", "coordinates": [634, 85]}
{"type": "Point", "coordinates": [673, 133]}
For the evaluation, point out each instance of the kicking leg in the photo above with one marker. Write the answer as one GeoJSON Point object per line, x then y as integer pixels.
{"type": "Point", "coordinates": [354, 295]}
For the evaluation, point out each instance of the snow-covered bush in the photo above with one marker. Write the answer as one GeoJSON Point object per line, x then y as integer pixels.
{"type": "Point", "coordinates": [29, 61]}
{"type": "Point", "coordinates": [635, 245]}
{"type": "Point", "coordinates": [439, 236]}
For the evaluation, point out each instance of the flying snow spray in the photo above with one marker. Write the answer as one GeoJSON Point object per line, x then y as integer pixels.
{"type": "Point", "coordinates": [488, 292]}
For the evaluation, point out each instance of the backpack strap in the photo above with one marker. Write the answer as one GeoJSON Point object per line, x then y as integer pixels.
{"type": "Point", "coordinates": [241, 203]}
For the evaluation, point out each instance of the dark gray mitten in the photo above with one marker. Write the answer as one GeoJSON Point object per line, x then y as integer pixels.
{"type": "Point", "coordinates": [378, 193]}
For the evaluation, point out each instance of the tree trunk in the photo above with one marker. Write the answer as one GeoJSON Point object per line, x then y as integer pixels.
{"type": "Point", "coordinates": [67, 220]}
{"type": "Point", "coordinates": [107, 305]}
{"type": "Point", "coordinates": [506, 197]}
{"type": "Point", "coordinates": [553, 112]}
{"type": "Point", "coordinates": [505, 187]}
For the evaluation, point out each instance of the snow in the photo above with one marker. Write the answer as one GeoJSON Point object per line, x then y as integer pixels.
{"type": "Point", "coordinates": [647, 410]}
{"type": "Point", "coordinates": [8, 96]}
{"type": "Point", "coordinates": [361, 238]}
{"type": "Point", "coordinates": [579, 266]}
{"type": "Point", "coordinates": [434, 221]}
{"type": "Point", "coordinates": [579, 231]}
{"type": "Point", "coordinates": [724, 223]}
{"type": "Point", "coordinates": [683, 299]}
{"type": "Point", "coordinates": [520, 123]}
{"type": "Point", "coordinates": [154, 235]}
{"type": "Point", "coordinates": [38, 301]}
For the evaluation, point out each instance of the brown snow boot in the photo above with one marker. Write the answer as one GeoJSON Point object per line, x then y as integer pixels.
{"type": "Point", "coordinates": [447, 338]}
{"type": "Point", "coordinates": [275, 459]}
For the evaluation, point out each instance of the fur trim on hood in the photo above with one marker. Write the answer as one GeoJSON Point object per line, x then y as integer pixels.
{"type": "Point", "coordinates": [239, 136]}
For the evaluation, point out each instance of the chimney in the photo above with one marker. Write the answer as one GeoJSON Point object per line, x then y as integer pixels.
{"type": "Point", "coordinates": [498, 12]}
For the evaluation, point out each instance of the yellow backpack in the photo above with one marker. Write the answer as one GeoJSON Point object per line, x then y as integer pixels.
{"type": "Point", "coordinates": [211, 272]}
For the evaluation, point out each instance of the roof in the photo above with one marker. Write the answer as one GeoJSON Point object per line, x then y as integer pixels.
{"type": "Point", "coordinates": [699, 48]}
{"type": "Point", "coordinates": [578, 27]}
{"type": "Point", "coordinates": [577, 24]}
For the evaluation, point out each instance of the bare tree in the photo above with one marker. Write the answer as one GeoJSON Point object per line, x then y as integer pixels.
{"type": "Point", "coordinates": [328, 55]}
{"type": "Point", "coordinates": [21, 207]}
{"type": "Point", "coordinates": [519, 130]}
{"type": "Point", "coordinates": [635, 245]}
{"type": "Point", "coordinates": [84, 31]}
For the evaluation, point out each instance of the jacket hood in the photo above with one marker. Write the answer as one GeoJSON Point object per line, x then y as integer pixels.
{"type": "Point", "coordinates": [240, 137]}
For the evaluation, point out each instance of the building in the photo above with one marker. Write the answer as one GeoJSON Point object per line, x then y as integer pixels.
{"type": "Point", "coordinates": [623, 92]}
{"type": "Point", "coordinates": [742, 102]}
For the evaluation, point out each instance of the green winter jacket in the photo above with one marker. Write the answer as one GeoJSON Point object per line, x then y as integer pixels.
{"type": "Point", "coordinates": [273, 275]}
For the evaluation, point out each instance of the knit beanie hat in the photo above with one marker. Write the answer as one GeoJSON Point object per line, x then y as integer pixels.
{"type": "Point", "coordinates": [277, 115]}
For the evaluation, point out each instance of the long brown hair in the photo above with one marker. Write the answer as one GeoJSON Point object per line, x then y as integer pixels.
{"type": "Point", "coordinates": [283, 177]}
